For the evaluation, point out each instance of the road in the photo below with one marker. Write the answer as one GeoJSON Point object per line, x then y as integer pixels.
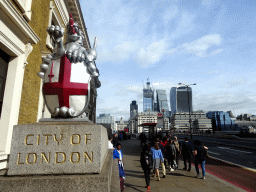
{"type": "Point", "coordinates": [238, 156]}
{"type": "Point", "coordinates": [231, 164]}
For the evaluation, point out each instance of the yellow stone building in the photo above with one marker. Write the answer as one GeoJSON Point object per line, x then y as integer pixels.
{"type": "Point", "coordinates": [24, 41]}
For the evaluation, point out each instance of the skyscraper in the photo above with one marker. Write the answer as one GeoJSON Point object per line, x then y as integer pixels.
{"type": "Point", "coordinates": [148, 98]}
{"type": "Point", "coordinates": [133, 109]}
{"type": "Point", "coordinates": [179, 99]}
{"type": "Point", "coordinates": [161, 99]}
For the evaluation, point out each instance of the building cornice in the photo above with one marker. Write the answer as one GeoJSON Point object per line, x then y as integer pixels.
{"type": "Point", "coordinates": [77, 14]}
{"type": "Point", "coordinates": [28, 35]}
{"type": "Point", "coordinates": [60, 4]}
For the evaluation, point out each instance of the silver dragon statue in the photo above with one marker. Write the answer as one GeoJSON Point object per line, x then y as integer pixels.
{"type": "Point", "coordinates": [67, 73]}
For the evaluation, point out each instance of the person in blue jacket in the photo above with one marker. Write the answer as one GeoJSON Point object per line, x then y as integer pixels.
{"type": "Point", "coordinates": [118, 154]}
{"type": "Point", "coordinates": [157, 156]}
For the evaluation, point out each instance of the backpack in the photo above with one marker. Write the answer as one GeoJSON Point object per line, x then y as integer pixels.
{"type": "Point", "coordinates": [173, 150]}
{"type": "Point", "coordinates": [148, 158]}
{"type": "Point", "coordinates": [177, 146]}
{"type": "Point", "coordinates": [206, 155]}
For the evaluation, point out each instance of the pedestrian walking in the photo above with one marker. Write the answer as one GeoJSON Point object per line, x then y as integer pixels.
{"type": "Point", "coordinates": [177, 146]}
{"type": "Point", "coordinates": [118, 154]}
{"type": "Point", "coordinates": [146, 160]}
{"type": "Point", "coordinates": [143, 138]}
{"type": "Point", "coordinates": [171, 154]}
{"type": "Point", "coordinates": [110, 145]}
{"type": "Point", "coordinates": [186, 153]}
{"type": "Point", "coordinates": [120, 136]}
{"type": "Point", "coordinates": [157, 157]}
{"type": "Point", "coordinates": [163, 163]}
{"type": "Point", "coordinates": [115, 140]}
{"type": "Point", "coordinates": [200, 157]}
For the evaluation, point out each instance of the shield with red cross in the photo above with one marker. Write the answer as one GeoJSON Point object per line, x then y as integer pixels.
{"type": "Point", "coordinates": [66, 86]}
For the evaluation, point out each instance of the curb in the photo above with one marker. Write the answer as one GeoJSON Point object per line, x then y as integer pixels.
{"type": "Point", "coordinates": [238, 146]}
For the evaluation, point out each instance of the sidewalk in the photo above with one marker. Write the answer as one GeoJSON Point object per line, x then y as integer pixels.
{"type": "Point", "coordinates": [176, 181]}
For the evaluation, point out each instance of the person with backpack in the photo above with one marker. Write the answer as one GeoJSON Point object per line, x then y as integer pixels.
{"type": "Point", "coordinates": [170, 154]}
{"type": "Point", "coordinates": [200, 152]}
{"type": "Point", "coordinates": [186, 153]}
{"type": "Point", "coordinates": [177, 146]}
{"type": "Point", "coordinates": [146, 160]}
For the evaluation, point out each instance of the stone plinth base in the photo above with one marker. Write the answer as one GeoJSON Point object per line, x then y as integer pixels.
{"type": "Point", "coordinates": [58, 148]}
{"type": "Point", "coordinates": [83, 182]}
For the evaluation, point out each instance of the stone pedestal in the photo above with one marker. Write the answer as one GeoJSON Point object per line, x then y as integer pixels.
{"type": "Point", "coordinates": [102, 182]}
{"type": "Point", "coordinates": [58, 148]}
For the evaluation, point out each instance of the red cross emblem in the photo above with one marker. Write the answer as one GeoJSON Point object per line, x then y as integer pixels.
{"type": "Point", "coordinates": [64, 88]}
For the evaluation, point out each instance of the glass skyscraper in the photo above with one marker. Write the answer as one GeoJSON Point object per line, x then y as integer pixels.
{"type": "Point", "coordinates": [161, 99]}
{"type": "Point", "coordinates": [181, 99]}
{"type": "Point", "coordinates": [221, 121]}
{"type": "Point", "coordinates": [148, 98]}
{"type": "Point", "coordinates": [133, 109]}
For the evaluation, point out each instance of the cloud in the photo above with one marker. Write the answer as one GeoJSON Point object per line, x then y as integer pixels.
{"type": "Point", "coordinates": [151, 54]}
{"type": "Point", "coordinates": [200, 46]}
{"type": "Point", "coordinates": [225, 101]}
{"type": "Point", "coordinates": [234, 83]}
{"type": "Point", "coordinates": [185, 24]}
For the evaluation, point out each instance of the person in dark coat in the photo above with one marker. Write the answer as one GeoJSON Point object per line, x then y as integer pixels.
{"type": "Point", "coordinates": [186, 153]}
{"type": "Point", "coordinates": [146, 160]}
{"type": "Point", "coordinates": [115, 140]}
{"type": "Point", "coordinates": [143, 138]}
{"type": "Point", "coordinates": [178, 152]}
{"type": "Point", "coordinates": [200, 157]}
{"type": "Point", "coordinates": [170, 154]}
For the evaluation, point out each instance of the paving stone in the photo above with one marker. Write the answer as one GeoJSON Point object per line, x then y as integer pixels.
{"type": "Point", "coordinates": [176, 181]}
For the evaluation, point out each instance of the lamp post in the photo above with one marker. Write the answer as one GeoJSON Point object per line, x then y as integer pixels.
{"type": "Point", "coordinates": [188, 107]}
{"type": "Point", "coordinates": [163, 118]}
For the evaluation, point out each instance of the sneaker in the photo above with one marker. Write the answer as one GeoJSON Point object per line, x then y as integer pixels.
{"type": "Point", "coordinates": [203, 177]}
{"type": "Point", "coordinates": [164, 176]}
{"type": "Point", "coordinates": [197, 176]}
{"type": "Point", "coordinates": [172, 169]}
{"type": "Point", "coordinates": [148, 188]}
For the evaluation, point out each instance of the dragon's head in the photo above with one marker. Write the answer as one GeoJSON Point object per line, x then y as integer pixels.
{"type": "Point", "coordinates": [74, 33]}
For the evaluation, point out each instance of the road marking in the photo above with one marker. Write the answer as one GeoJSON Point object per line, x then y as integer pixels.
{"type": "Point", "coordinates": [235, 150]}
{"type": "Point", "coordinates": [250, 169]}
{"type": "Point", "coordinates": [213, 153]}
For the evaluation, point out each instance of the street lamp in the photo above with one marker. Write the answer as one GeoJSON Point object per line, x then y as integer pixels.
{"type": "Point", "coordinates": [189, 107]}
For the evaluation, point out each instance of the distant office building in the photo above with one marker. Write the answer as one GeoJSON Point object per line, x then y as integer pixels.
{"type": "Point", "coordinates": [181, 99]}
{"type": "Point", "coordinates": [244, 117]}
{"type": "Point", "coordinates": [155, 107]}
{"type": "Point", "coordinates": [107, 121]}
{"type": "Point", "coordinates": [105, 118]}
{"type": "Point", "coordinates": [161, 101]}
{"type": "Point", "coordinates": [135, 125]}
{"type": "Point", "coordinates": [145, 117]}
{"type": "Point", "coordinates": [199, 122]}
{"type": "Point", "coordinates": [121, 125]}
{"type": "Point", "coordinates": [133, 109]}
{"type": "Point", "coordinates": [148, 98]}
{"type": "Point", "coordinates": [221, 121]}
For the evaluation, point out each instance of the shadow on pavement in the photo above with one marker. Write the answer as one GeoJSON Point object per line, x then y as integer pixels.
{"type": "Point", "coordinates": [134, 187]}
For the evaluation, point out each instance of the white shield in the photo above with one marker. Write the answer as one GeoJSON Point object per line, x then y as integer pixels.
{"type": "Point", "coordinates": [78, 74]}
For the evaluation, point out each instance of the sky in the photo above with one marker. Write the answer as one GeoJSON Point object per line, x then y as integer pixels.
{"type": "Point", "coordinates": [208, 42]}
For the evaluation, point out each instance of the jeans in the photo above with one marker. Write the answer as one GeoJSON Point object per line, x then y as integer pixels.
{"type": "Point", "coordinates": [202, 166]}
{"type": "Point", "coordinates": [147, 175]}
